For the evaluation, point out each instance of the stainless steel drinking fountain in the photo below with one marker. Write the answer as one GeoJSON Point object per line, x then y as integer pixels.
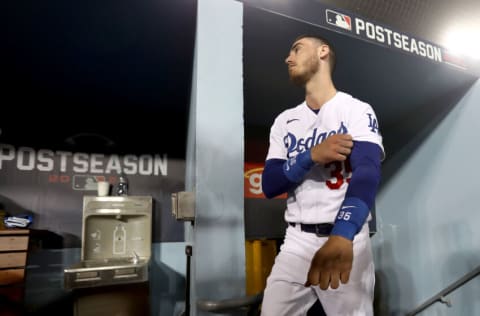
{"type": "Point", "coordinates": [116, 242]}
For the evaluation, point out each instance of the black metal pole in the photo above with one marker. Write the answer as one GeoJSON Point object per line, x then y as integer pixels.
{"type": "Point", "coordinates": [188, 252]}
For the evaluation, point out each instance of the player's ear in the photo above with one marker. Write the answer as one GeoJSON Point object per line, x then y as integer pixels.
{"type": "Point", "coordinates": [323, 51]}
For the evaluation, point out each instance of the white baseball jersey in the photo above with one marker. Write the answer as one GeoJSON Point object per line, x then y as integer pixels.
{"type": "Point", "coordinates": [318, 198]}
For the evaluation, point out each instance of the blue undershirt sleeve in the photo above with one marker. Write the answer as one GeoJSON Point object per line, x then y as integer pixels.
{"type": "Point", "coordinates": [365, 160]}
{"type": "Point", "coordinates": [274, 181]}
{"type": "Point", "coordinates": [279, 176]}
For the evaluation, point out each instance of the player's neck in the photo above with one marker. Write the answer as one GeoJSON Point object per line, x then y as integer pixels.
{"type": "Point", "coordinates": [318, 92]}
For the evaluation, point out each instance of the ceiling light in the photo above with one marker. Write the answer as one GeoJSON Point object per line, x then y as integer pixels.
{"type": "Point", "coordinates": [463, 41]}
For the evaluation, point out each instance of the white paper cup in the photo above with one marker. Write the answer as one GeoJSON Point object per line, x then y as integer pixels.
{"type": "Point", "coordinates": [103, 188]}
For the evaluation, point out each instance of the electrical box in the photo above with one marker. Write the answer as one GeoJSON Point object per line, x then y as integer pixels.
{"type": "Point", "coordinates": [183, 206]}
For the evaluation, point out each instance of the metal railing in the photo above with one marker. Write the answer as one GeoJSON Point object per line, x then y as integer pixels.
{"type": "Point", "coordinates": [440, 296]}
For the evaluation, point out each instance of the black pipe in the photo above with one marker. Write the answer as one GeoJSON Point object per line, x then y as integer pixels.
{"type": "Point", "coordinates": [188, 252]}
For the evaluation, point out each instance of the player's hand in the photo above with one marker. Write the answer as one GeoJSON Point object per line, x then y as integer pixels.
{"type": "Point", "coordinates": [331, 264]}
{"type": "Point", "coordinates": [335, 148]}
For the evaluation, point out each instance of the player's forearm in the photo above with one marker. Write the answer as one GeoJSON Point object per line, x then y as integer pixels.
{"type": "Point", "coordinates": [364, 182]}
{"type": "Point", "coordinates": [360, 195]}
{"type": "Point", "coordinates": [274, 180]}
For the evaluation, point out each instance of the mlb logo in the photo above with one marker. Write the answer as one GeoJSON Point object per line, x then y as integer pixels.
{"type": "Point", "coordinates": [339, 19]}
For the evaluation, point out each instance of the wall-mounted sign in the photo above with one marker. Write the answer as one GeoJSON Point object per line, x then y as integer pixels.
{"type": "Point", "coordinates": [51, 184]}
{"type": "Point", "coordinates": [313, 12]}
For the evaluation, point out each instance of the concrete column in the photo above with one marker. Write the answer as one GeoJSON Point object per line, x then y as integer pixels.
{"type": "Point", "coordinates": [215, 154]}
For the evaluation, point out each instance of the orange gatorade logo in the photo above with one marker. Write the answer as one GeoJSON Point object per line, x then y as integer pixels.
{"type": "Point", "coordinates": [252, 179]}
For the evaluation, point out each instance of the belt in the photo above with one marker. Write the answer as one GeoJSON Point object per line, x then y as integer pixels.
{"type": "Point", "coordinates": [320, 230]}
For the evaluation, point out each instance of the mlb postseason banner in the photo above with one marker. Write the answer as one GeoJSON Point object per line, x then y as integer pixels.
{"type": "Point", "coordinates": [315, 13]}
{"type": "Point", "coordinates": [50, 185]}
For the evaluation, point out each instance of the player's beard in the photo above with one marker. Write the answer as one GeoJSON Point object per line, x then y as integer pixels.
{"type": "Point", "coordinates": [311, 67]}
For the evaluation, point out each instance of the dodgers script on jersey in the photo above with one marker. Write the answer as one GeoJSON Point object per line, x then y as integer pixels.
{"type": "Point", "coordinates": [318, 198]}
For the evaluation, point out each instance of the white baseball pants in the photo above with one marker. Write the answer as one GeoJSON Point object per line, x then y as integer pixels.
{"type": "Point", "coordinates": [285, 293]}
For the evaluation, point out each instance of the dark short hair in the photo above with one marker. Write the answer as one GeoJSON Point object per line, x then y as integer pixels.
{"type": "Point", "coordinates": [332, 57]}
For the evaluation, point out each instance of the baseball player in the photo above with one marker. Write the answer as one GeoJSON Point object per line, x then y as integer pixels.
{"type": "Point", "coordinates": [326, 153]}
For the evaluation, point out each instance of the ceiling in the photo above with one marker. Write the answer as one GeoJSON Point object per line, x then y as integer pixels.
{"type": "Point", "coordinates": [106, 76]}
